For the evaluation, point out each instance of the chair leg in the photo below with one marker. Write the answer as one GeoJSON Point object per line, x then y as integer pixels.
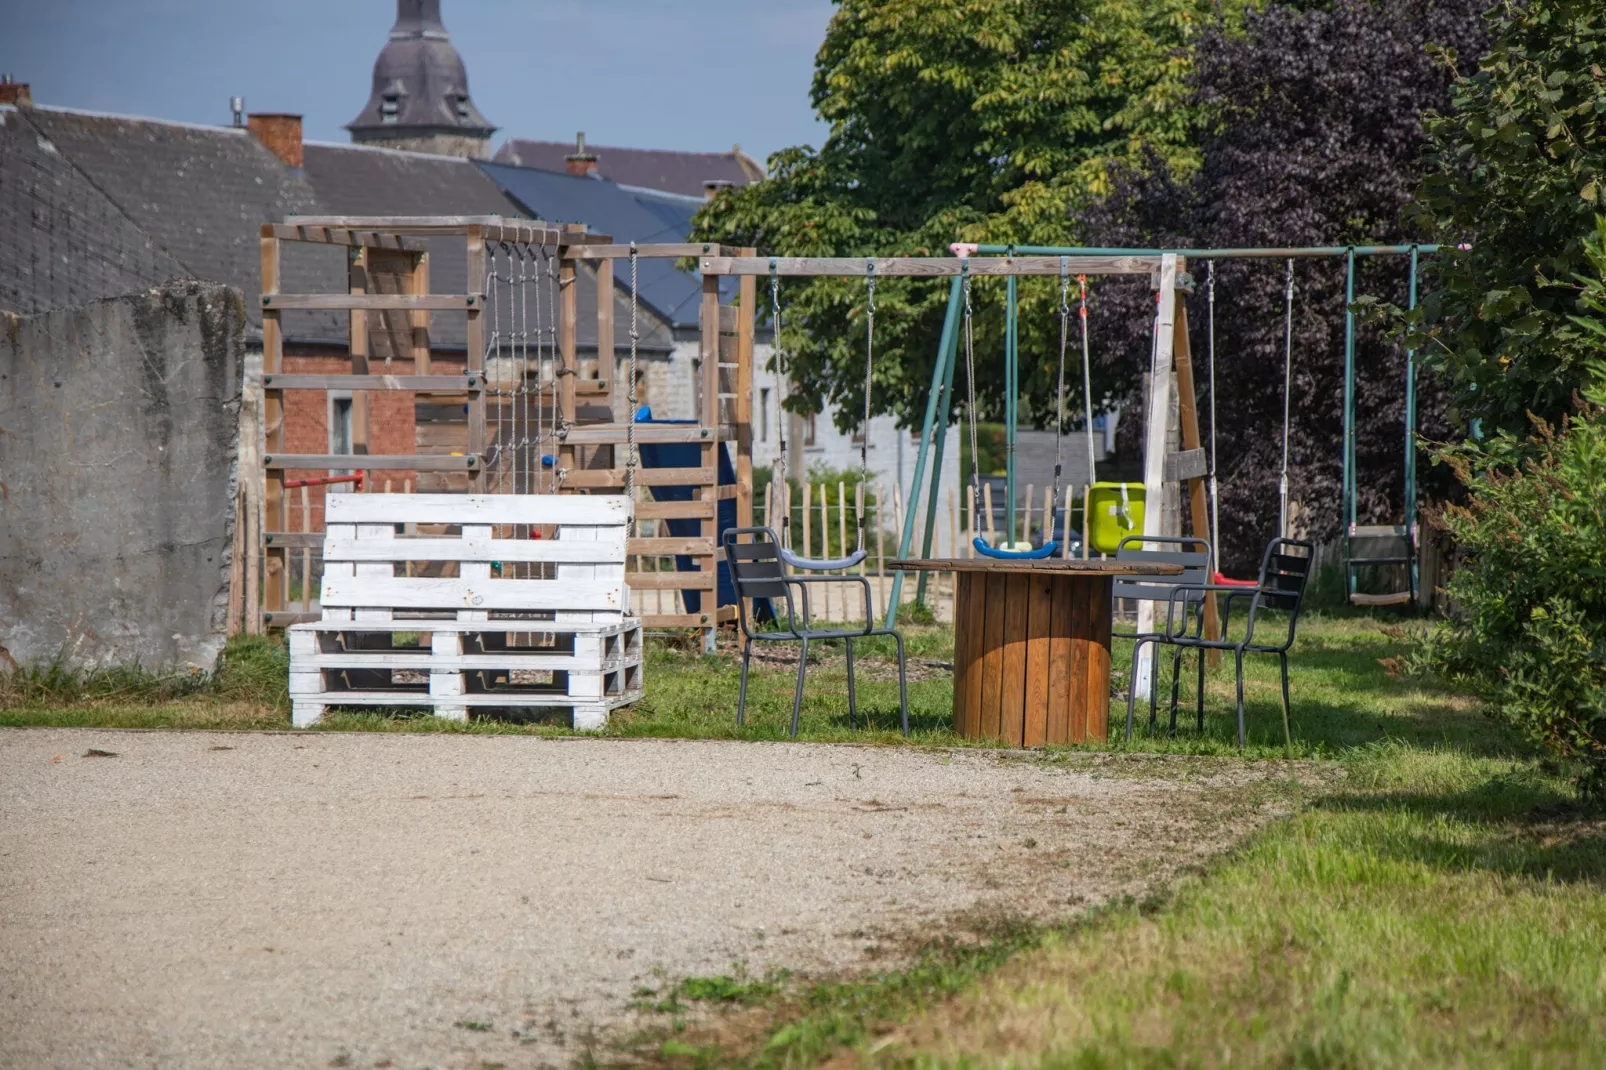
{"type": "Point", "coordinates": [1238, 656]}
{"type": "Point", "coordinates": [741, 692]}
{"type": "Point", "coordinates": [1288, 737]}
{"type": "Point", "coordinates": [797, 697]}
{"type": "Point", "coordinates": [1176, 687]}
{"type": "Point", "coordinates": [852, 702]}
{"type": "Point", "coordinates": [903, 687]}
{"type": "Point", "coordinates": [1154, 689]}
{"type": "Point", "coordinates": [1198, 697]}
{"type": "Point", "coordinates": [1132, 687]}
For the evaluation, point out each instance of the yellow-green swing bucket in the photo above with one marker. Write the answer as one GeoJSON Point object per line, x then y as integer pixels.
{"type": "Point", "coordinates": [1115, 510]}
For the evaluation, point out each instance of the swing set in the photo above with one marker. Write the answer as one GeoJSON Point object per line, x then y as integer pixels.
{"type": "Point", "coordinates": [1120, 508]}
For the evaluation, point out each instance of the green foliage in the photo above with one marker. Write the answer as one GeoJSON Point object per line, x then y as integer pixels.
{"type": "Point", "coordinates": [251, 668]}
{"type": "Point", "coordinates": [1518, 168]}
{"type": "Point", "coordinates": [1531, 592]}
{"type": "Point", "coordinates": [974, 120]}
{"type": "Point", "coordinates": [990, 442]}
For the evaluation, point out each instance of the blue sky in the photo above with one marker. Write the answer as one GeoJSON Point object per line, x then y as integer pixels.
{"type": "Point", "coordinates": [685, 74]}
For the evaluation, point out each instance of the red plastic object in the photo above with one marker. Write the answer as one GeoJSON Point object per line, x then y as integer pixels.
{"type": "Point", "coordinates": [320, 481]}
{"type": "Point", "coordinates": [1223, 581]}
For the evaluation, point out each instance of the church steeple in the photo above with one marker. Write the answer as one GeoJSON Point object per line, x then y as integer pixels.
{"type": "Point", "coordinates": [420, 98]}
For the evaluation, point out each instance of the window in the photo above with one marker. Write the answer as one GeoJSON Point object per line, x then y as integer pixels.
{"type": "Point", "coordinates": [339, 423]}
{"type": "Point", "coordinates": [809, 429]}
{"type": "Point", "coordinates": [390, 108]}
{"type": "Point", "coordinates": [462, 108]}
{"type": "Point", "coordinates": [764, 414]}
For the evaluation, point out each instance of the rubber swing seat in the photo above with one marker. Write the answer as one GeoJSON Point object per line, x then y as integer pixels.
{"type": "Point", "coordinates": [1042, 553]}
{"type": "Point", "coordinates": [817, 565]}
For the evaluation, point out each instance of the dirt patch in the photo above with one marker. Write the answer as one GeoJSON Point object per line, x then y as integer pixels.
{"type": "Point", "coordinates": [296, 899]}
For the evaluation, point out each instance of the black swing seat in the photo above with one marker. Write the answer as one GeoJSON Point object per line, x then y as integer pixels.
{"type": "Point", "coordinates": [1375, 546]}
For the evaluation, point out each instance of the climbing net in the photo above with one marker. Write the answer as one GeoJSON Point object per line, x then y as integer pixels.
{"type": "Point", "coordinates": [522, 366]}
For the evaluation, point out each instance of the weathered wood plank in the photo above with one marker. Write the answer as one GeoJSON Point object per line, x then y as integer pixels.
{"type": "Point", "coordinates": [417, 592]}
{"type": "Point", "coordinates": [454, 383]}
{"type": "Point", "coordinates": [1012, 697]}
{"type": "Point", "coordinates": [371, 302]}
{"type": "Point", "coordinates": [645, 477]}
{"type": "Point", "coordinates": [614, 434]}
{"type": "Point", "coordinates": [1039, 629]}
{"type": "Point", "coordinates": [577, 509]}
{"type": "Point", "coordinates": [610, 550]}
{"type": "Point", "coordinates": [417, 462]}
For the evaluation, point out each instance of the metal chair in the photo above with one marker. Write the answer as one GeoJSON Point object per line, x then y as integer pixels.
{"type": "Point", "coordinates": [1280, 586]}
{"type": "Point", "coordinates": [1194, 555]}
{"type": "Point", "coordinates": [757, 571]}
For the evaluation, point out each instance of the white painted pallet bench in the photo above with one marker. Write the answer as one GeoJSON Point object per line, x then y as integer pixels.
{"type": "Point", "coordinates": [528, 623]}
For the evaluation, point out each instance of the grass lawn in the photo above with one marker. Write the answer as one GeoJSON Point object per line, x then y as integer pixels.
{"type": "Point", "coordinates": [1443, 904]}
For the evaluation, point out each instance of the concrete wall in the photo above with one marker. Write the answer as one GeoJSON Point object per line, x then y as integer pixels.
{"type": "Point", "coordinates": [119, 428]}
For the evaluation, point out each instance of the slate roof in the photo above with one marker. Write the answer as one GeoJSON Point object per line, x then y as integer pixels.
{"type": "Point", "coordinates": [627, 215]}
{"type": "Point", "coordinates": [93, 205]}
{"type": "Point", "coordinates": [63, 242]}
{"type": "Point", "coordinates": [200, 193]}
{"type": "Point", "coordinates": [659, 169]}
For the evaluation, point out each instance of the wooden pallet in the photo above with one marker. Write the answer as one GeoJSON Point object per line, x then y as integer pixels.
{"type": "Point", "coordinates": [585, 669]}
{"type": "Point", "coordinates": [537, 616]}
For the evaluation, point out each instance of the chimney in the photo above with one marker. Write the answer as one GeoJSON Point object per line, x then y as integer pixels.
{"type": "Point", "coordinates": [280, 134]}
{"type": "Point", "coordinates": [580, 162]}
{"type": "Point", "coordinates": [237, 109]}
{"type": "Point", "coordinates": [14, 92]}
{"type": "Point", "coordinates": [712, 187]}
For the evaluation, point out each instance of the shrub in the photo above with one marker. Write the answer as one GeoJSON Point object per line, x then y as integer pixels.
{"type": "Point", "coordinates": [1530, 596]}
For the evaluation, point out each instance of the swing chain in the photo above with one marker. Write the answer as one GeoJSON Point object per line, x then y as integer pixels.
{"type": "Point", "coordinates": [1059, 407]}
{"type": "Point", "coordinates": [970, 385]}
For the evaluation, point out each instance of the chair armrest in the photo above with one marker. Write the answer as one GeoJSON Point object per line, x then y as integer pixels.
{"type": "Point", "coordinates": [802, 581]}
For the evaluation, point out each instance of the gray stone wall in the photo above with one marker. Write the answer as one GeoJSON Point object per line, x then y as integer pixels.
{"type": "Point", "coordinates": [119, 432]}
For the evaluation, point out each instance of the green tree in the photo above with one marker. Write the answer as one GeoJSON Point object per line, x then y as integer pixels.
{"type": "Point", "coordinates": [1518, 169]}
{"type": "Point", "coordinates": [973, 120]}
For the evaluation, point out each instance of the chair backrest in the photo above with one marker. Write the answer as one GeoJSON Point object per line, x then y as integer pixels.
{"type": "Point", "coordinates": [1193, 554]}
{"type": "Point", "coordinates": [1284, 572]}
{"type": "Point", "coordinates": [755, 566]}
{"type": "Point", "coordinates": [559, 554]}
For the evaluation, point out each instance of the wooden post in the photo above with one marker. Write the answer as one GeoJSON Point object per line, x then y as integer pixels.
{"type": "Point", "coordinates": [1087, 520]}
{"type": "Point", "coordinates": [742, 410]}
{"type": "Point", "coordinates": [858, 519]}
{"type": "Point", "coordinates": [305, 553]}
{"type": "Point", "coordinates": [769, 501]}
{"type": "Point", "coordinates": [808, 494]}
{"type": "Point", "coordinates": [970, 543]}
{"type": "Point", "coordinates": [357, 347]}
{"type": "Point", "coordinates": [708, 414]}
{"type": "Point", "coordinates": [474, 242]}
{"type": "Point", "coordinates": [568, 356]}
{"type": "Point", "coordinates": [275, 559]}
{"type": "Point", "coordinates": [1188, 415]}
{"type": "Point", "coordinates": [953, 542]}
{"type": "Point", "coordinates": [987, 509]}
{"type": "Point", "coordinates": [1157, 414]}
{"type": "Point", "coordinates": [418, 284]}
{"type": "Point", "coordinates": [880, 554]}
{"type": "Point", "coordinates": [1027, 506]}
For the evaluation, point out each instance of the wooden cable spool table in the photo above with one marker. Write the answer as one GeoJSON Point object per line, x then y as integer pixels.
{"type": "Point", "coordinates": [1032, 645]}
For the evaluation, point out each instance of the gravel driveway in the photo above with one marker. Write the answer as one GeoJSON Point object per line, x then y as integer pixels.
{"type": "Point", "coordinates": [275, 900]}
